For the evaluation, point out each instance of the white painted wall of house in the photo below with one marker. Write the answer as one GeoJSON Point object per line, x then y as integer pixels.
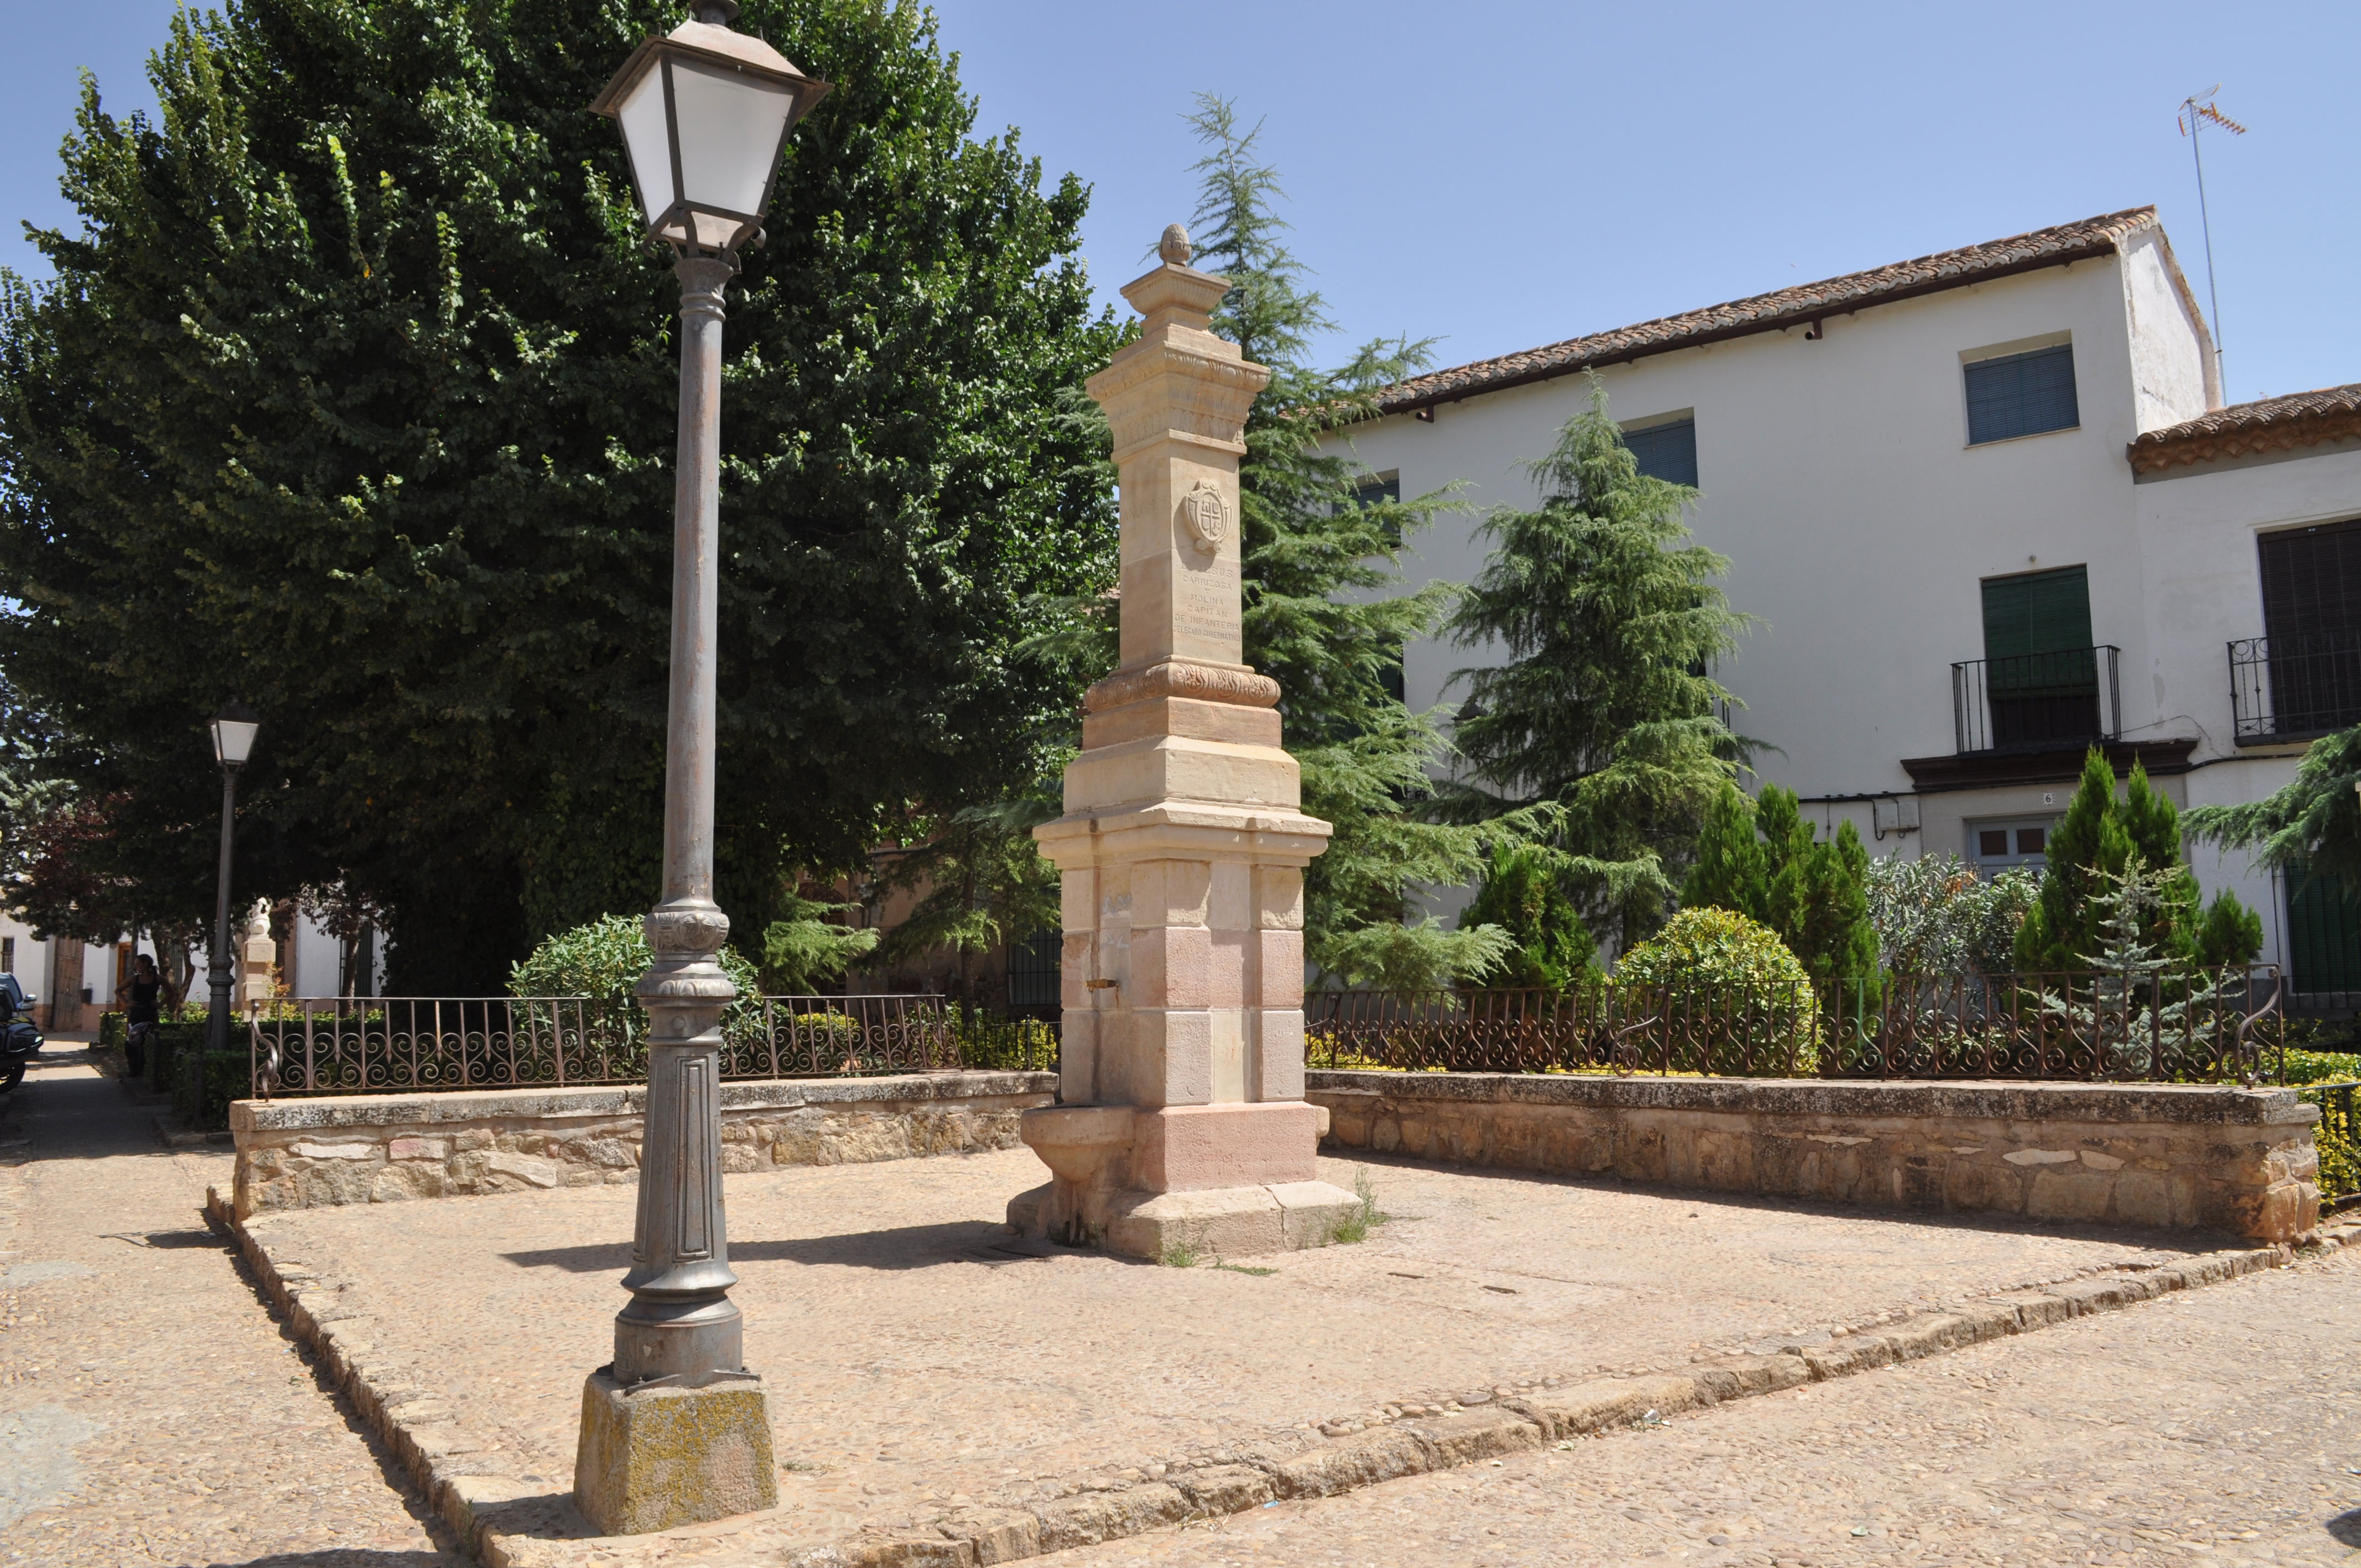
{"type": "Point", "coordinates": [1836, 475]}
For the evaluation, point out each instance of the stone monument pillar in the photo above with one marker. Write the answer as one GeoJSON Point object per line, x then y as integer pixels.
{"type": "Point", "coordinates": [257, 954]}
{"type": "Point", "coordinates": [1182, 850]}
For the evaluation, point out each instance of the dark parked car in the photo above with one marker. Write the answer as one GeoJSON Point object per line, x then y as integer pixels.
{"type": "Point", "coordinates": [19, 1041]}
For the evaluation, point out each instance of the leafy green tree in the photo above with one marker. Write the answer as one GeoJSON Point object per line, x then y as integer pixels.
{"type": "Point", "coordinates": [981, 883]}
{"type": "Point", "coordinates": [1610, 619]}
{"type": "Point", "coordinates": [354, 395]}
{"type": "Point", "coordinates": [2313, 823]}
{"type": "Point", "coordinates": [1524, 896]}
{"type": "Point", "coordinates": [2095, 845]}
{"type": "Point", "coordinates": [1935, 915]}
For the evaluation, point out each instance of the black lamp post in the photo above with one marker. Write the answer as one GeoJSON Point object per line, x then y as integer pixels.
{"type": "Point", "coordinates": [234, 730]}
{"type": "Point", "coordinates": [705, 114]}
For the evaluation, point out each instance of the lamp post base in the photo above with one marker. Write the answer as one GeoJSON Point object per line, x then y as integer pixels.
{"type": "Point", "coordinates": [658, 1457]}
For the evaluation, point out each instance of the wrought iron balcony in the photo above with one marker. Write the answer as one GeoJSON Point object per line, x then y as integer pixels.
{"type": "Point", "coordinates": [2291, 688]}
{"type": "Point", "coordinates": [2036, 702]}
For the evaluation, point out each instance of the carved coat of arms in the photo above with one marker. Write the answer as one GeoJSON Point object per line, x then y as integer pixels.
{"type": "Point", "coordinates": [1207, 515]}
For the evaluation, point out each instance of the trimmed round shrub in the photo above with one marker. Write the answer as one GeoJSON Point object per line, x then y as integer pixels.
{"type": "Point", "coordinates": [1726, 994]}
{"type": "Point", "coordinates": [1711, 948]}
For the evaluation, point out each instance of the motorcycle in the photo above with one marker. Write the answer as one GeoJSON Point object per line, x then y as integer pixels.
{"type": "Point", "coordinates": [19, 1041]}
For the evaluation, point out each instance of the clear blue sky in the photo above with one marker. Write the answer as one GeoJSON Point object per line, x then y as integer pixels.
{"type": "Point", "coordinates": [1501, 175]}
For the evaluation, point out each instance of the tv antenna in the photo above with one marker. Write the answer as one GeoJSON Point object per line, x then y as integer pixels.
{"type": "Point", "coordinates": [2196, 110]}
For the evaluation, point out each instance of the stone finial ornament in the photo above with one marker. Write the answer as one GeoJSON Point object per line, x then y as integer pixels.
{"type": "Point", "coordinates": [1174, 246]}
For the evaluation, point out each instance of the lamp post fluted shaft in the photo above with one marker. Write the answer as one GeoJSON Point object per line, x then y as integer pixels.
{"type": "Point", "coordinates": [220, 971]}
{"type": "Point", "coordinates": [680, 1324]}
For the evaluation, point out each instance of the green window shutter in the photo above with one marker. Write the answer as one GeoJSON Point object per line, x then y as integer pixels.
{"type": "Point", "coordinates": [2323, 933]}
{"type": "Point", "coordinates": [2036, 613]}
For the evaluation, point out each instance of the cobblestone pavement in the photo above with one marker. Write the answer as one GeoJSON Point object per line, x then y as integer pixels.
{"type": "Point", "coordinates": [2213, 1426]}
{"type": "Point", "coordinates": [918, 1362]}
{"type": "Point", "coordinates": [151, 1409]}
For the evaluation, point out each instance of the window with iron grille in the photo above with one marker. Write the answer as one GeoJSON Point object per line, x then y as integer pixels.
{"type": "Point", "coordinates": [1666, 450]}
{"type": "Point", "coordinates": [1033, 971]}
{"type": "Point", "coordinates": [2312, 618]}
{"type": "Point", "coordinates": [2022, 394]}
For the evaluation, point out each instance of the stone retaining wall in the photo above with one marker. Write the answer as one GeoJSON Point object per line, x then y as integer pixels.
{"type": "Point", "coordinates": [376, 1149]}
{"type": "Point", "coordinates": [2169, 1157]}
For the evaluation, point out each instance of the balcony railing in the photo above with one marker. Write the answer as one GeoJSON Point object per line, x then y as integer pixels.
{"type": "Point", "coordinates": [2288, 688]}
{"type": "Point", "coordinates": [2036, 702]}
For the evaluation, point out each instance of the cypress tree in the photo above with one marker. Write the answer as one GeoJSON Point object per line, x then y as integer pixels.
{"type": "Point", "coordinates": [1730, 871]}
{"type": "Point", "coordinates": [1603, 708]}
{"type": "Point", "coordinates": [1524, 897]}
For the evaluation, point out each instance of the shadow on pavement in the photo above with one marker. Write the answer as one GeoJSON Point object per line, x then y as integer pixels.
{"type": "Point", "coordinates": [2345, 1528]}
{"type": "Point", "coordinates": [346, 1557]}
{"type": "Point", "coordinates": [909, 1246]}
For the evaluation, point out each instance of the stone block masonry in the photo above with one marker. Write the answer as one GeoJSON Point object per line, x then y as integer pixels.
{"type": "Point", "coordinates": [376, 1149]}
{"type": "Point", "coordinates": [2161, 1156]}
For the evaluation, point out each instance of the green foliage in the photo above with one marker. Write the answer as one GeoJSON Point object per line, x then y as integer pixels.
{"type": "Point", "coordinates": [985, 1040]}
{"type": "Point", "coordinates": [1608, 616]}
{"type": "Point", "coordinates": [806, 949]}
{"type": "Point", "coordinates": [2313, 823]}
{"type": "Point", "coordinates": [2230, 933]}
{"type": "Point", "coordinates": [985, 884]}
{"type": "Point", "coordinates": [1935, 915]}
{"type": "Point", "coordinates": [1813, 892]}
{"type": "Point", "coordinates": [2094, 844]}
{"type": "Point", "coordinates": [1730, 870]}
{"type": "Point", "coordinates": [1711, 950]}
{"type": "Point", "coordinates": [606, 960]}
{"type": "Point", "coordinates": [355, 395]}
{"type": "Point", "coordinates": [1522, 898]}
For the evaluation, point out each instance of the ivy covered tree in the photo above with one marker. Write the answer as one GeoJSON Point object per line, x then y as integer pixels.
{"type": "Point", "coordinates": [1603, 708]}
{"type": "Point", "coordinates": [2100, 841]}
{"type": "Point", "coordinates": [353, 396]}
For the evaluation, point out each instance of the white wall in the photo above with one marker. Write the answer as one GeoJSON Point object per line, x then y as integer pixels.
{"type": "Point", "coordinates": [1836, 477]}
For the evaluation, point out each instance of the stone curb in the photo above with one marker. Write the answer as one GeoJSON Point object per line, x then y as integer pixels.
{"type": "Point", "coordinates": [500, 1521]}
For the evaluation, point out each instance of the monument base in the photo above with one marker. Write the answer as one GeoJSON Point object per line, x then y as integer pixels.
{"type": "Point", "coordinates": [662, 1457]}
{"type": "Point", "coordinates": [1222, 1222]}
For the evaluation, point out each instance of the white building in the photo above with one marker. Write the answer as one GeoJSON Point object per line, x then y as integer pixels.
{"type": "Point", "coordinates": [1986, 509]}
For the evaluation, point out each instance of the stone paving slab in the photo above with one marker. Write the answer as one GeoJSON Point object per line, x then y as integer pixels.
{"type": "Point", "coordinates": [922, 1365]}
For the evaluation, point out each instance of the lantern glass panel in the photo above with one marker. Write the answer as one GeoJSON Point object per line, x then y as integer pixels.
{"type": "Point", "coordinates": [729, 125]}
{"type": "Point", "coordinates": [641, 115]}
{"type": "Point", "coordinates": [232, 741]}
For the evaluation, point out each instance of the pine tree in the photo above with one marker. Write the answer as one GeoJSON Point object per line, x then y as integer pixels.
{"type": "Point", "coordinates": [1524, 897]}
{"type": "Point", "coordinates": [1610, 619]}
{"type": "Point", "coordinates": [2312, 825]}
{"type": "Point", "coordinates": [1730, 871]}
{"type": "Point", "coordinates": [1762, 859]}
{"type": "Point", "coordinates": [2088, 853]}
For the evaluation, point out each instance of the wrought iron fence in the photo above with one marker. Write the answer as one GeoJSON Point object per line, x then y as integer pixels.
{"type": "Point", "coordinates": [2211, 1025]}
{"type": "Point", "coordinates": [353, 1045]}
{"type": "Point", "coordinates": [2032, 701]}
{"type": "Point", "coordinates": [2291, 687]}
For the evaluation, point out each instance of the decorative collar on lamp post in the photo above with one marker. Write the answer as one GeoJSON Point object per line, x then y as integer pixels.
{"type": "Point", "coordinates": [234, 730]}
{"type": "Point", "coordinates": [705, 114]}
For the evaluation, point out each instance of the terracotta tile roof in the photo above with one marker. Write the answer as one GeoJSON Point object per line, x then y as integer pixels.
{"type": "Point", "coordinates": [1804, 303]}
{"type": "Point", "coordinates": [2243, 430]}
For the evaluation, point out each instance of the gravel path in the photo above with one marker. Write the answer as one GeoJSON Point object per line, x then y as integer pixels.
{"type": "Point", "coordinates": [918, 1363]}
{"type": "Point", "coordinates": [2213, 1426]}
{"type": "Point", "coordinates": [151, 1409]}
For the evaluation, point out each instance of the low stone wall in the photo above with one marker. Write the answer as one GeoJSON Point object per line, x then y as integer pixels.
{"type": "Point", "coordinates": [376, 1149]}
{"type": "Point", "coordinates": [2167, 1157]}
